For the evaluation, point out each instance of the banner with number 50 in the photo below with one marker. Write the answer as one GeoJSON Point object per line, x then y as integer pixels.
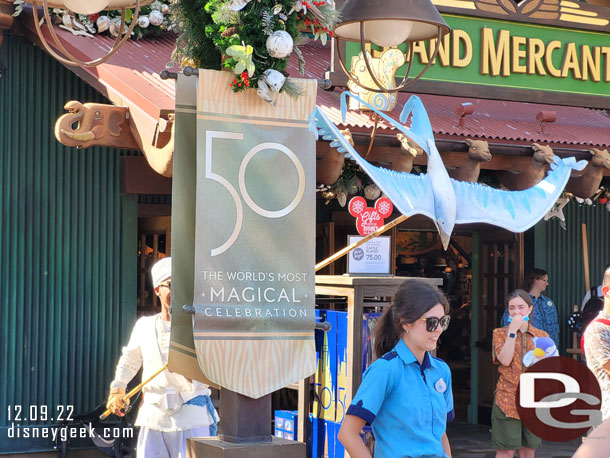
{"type": "Point", "coordinates": [254, 237]}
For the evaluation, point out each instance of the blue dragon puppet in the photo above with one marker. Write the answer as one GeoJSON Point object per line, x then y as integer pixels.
{"type": "Point", "coordinates": [444, 200]}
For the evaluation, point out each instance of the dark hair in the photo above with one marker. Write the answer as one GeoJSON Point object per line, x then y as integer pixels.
{"type": "Point", "coordinates": [606, 280]}
{"type": "Point", "coordinates": [534, 274]}
{"type": "Point", "coordinates": [412, 300]}
{"type": "Point", "coordinates": [519, 293]}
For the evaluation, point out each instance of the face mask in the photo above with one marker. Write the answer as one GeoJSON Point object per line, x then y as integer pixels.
{"type": "Point", "coordinates": [510, 318]}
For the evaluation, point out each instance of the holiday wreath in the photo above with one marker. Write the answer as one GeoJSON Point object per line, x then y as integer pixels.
{"type": "Point", "coordinates": [252, 38]}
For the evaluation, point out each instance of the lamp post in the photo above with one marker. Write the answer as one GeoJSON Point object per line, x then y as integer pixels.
{"type": "Point", "coordinates": [389, 23]}
{"type": "Point", "coordinates": [84, 7]}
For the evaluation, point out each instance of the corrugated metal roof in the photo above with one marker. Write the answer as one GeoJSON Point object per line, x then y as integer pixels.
{"type": "Point", "coordinates": [498, 120]}
{"type": "Point", "coordinates": [131, 76]}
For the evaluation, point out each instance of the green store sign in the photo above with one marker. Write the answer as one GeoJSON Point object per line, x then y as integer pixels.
{"type": "Point", "coordinates": [516, 61]}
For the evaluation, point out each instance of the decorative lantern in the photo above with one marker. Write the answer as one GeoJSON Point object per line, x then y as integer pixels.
{"type": "Point", "coordinates": [389, 24]}
{"type": "Point", "coordinates": [84, 7]}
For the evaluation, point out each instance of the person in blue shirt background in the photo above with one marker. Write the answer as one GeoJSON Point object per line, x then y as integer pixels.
{"type": "Point", "coordinates": [405, 394]}
{"type": "Point", "coordinates": [544, 316]}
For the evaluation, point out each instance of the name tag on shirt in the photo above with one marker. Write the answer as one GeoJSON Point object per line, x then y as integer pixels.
{"type": "Point", "coordinates": [440, 385]}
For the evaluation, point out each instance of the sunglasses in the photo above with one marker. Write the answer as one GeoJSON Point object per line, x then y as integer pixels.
{"type": "Point", "coordinates": [432, 323]}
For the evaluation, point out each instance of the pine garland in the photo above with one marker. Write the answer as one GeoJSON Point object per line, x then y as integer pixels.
{"type": "Point", "coordinates": [193, 47]}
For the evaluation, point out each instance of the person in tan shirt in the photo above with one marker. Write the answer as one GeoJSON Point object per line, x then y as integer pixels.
{"type": "Point", "coordinates": [510, 344]}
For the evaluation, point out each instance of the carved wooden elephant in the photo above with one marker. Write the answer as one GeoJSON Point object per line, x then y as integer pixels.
{"type": "Point", "coordinates": [93, 124]}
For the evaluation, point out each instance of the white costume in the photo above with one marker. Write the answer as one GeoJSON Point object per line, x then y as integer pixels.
{"type": "Point", "coordinates": [164, 408]}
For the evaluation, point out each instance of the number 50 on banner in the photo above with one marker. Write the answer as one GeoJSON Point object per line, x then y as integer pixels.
{"type": "Point", "coordinates": [210, 135]}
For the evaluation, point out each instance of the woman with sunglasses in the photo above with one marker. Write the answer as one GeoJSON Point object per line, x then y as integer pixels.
{"type": "Point", "coordinates": [510, 344]}
{"type": "Point", "coordinates": [405, 394]}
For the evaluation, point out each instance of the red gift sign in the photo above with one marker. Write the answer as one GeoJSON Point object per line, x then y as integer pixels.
{"type": "Point", "coordinates": [368, 220]}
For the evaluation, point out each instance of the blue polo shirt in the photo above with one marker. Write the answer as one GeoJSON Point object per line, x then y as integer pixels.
{"type": "Point", "coordinates": [407, 404]}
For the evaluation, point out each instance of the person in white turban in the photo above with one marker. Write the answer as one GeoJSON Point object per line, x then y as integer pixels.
{"type": "Point", "coordinates": [174, 408]}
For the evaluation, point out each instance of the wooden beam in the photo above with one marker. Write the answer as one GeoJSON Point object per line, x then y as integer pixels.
{"type": "Point", "coordinates": [154, 211]}
{"type": "Point", "coordinates": [504, 157]}
{"type": "Point", "coordinates": [138, 178]}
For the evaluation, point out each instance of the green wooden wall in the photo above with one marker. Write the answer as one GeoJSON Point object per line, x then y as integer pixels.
{"type": "Point", "coordinates": [67, 245]}
{"type": "Point", "coordinates": [560, 253]}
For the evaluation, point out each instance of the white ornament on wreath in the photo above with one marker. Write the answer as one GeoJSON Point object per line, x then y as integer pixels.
{"type": "Point", "coordinates": [143, 22]}
{"type": "Point", "coordinates": [279, 44]}
{"type": "Point", "coordinates": [238, 5]}
{"type": "Point", "coordinates": [155, 17]}
{"type": "Point", "coordinates": [115, 27]}
{"type": "Point", "coordinates": [102, 23]}
{"type": "Point", "coordinates": [165, 8]}
{"type": "Point", "coordinates": [269, 85]}
{"type": "Point", "coordinates": [66, 19]}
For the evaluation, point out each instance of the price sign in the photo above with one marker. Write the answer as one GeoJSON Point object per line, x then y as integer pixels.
{"type": "Point", "coordinates": [371, 258]}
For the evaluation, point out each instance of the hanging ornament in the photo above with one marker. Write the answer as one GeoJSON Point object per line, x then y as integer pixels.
{"type": "Point", "coordinates": [372, 191]}
{"type": "Point", "coordinates": [238, 5]}
{"type": "Point", "coordinates": [557, 210]}
{"type": "Point", "coordinates": [608, 206]}
{"type": "Point", "coordinates": [298, 6]}
{"type": "Point", "coordinates": [588, 201]}
{"type": "Point", "coordinates": [603, 200]}
{"type": "Point", "coordinates": [580, 200]}
{"type": "Point", "coordinates": [143, 22]}
{"type": "Point", "coordinates": [279, 44]}
{"type": "Point", "coordinates": [165, 8]}
{"type": "Point", "coordinates": [102, 23]}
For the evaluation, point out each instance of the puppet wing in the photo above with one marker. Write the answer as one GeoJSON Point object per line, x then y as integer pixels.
{"type": "Point", "coordinates": [516, 211]}
{"type": "Point", "coordinates": [410, 194]}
